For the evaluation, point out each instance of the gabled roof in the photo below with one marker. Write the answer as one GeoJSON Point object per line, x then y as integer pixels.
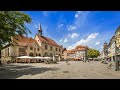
{"type": "Point", "coordinates": [70, 52]}
{"type": "Point", "coordinates": [23, 41]}
{"type": "Point", "coordinates": [117, 29]}
{"type": "Point", "coordinates": [80, 47]}
{"type": "Point", "coordinates": [47, 40]}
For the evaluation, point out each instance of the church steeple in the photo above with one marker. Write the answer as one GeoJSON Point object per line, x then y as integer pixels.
{"type": "Point", "coordinates": [40, 30]}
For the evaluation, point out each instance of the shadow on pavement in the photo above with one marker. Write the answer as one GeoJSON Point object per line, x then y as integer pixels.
{"type": "Point", "coordinates": [14, 71]}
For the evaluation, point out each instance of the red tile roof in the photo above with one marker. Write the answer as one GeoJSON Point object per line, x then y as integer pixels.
{"type": "Point", "coordinates": [47, 40]}
{"type": "Point", "coordinates": [80, 47]}
{"type": "Point", "coordinates": [23, 41]}
{"type": "Point", "coordinates": [70, 52]}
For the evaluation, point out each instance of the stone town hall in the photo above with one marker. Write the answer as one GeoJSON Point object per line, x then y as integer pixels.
{"type": "Point", "coordinates": [39, 46]}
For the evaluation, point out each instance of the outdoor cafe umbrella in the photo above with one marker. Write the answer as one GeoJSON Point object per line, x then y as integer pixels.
{"type": "Point", "coordinates": [25, 57]}
{"type": "Point", "coordinates": [53, 58]}
{"type": "Point", "coordinates": [59, 58]}
{"type": "Point", "coordinates": [46, 57]}
{"type": "Point", "coordinates": [38, 57]}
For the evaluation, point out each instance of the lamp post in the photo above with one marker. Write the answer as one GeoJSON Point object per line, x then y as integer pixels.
{"type": "Point", "coordinates": [116, 61]}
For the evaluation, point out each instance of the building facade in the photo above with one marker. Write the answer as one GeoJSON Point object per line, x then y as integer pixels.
{"type": "Point", "coordinates": [24, 46]}
{"type": "Point", "coordinates": [113, 46]}
{"type": "Point", "coordinates": [79, 53]}
{"type": "Point", "coordinates": [49, 46]}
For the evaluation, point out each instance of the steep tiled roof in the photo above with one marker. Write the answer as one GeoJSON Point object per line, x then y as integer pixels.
{"type": "Point", "coordinates": [47, 40]}
{"type": "Point", "coordinates": [80, 47]}
{"type": "Point", "coordinates": [23, 41]}
{"type": "Point", "coordinates": [70, 52]}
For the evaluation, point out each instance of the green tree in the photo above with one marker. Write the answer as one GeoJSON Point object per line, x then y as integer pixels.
{"type": "Point", "coordinates": [92, 53]}
{"type": "Point", "coordinates": [11, 23]}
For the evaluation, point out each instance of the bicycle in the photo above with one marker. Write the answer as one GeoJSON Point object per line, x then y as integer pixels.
{"type": "Point", "coordinates": [110, 66]}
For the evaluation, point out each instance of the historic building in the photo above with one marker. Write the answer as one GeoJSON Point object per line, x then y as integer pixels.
{"type": "Point", "coordinates": [113, 48]}
{"type": "Point", "coordinates": [24, 46]}
{"type": "Point", "coordinates": [49, 46]}
{"type": "Point", "coordinates": [69, 54]}
{"type": "Point", "coordinates": [79, 53]}
{"type": "Point", "coordinates": [20, 46]}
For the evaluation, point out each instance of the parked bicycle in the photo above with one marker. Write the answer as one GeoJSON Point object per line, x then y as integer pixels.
{"type": "Point", "coordinates": [110, 66]}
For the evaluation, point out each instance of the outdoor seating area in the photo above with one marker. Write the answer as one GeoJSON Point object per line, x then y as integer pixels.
{"type": "Point", "coordinates": [29, 59]}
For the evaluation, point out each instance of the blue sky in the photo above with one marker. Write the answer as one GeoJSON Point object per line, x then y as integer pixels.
{"type": "Point", "coordinates": [72, 28]}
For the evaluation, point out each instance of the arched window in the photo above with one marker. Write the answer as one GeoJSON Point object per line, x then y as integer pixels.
{"type": "Point", "coordinates": [39, 54]}
{"type": "Point", "coordinates": [36, 54]}
{"type": "Point", "coordinates": [31, 48]}
{"type": "Point", "coordinates": [31, 54]}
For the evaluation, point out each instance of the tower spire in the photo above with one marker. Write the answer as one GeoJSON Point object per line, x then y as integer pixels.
{"type": "Point", "coordinates": [40, 30]}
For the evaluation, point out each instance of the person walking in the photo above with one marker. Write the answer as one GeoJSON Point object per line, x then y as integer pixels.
{"type": "Point", "coordinates": [67, 61]}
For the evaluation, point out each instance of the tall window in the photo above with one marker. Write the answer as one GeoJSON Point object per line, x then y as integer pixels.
{"type": "Point", "coordinates": [31, 48]}
{"type": "Point", "coordinates": [38, 49]}
{"type": "Point", "coordinates": [56, 49]}
{"type": "Point", "coordinates": [46, 54]}
{"type": "Point", "coordinates": [59, 49]}
{"type": "Point", "coordinates": [50, 47]}
{"type": "Point", "coordinates": [22, 51]}
{"type": "Point", "coordinates": [45, 46]}
{"type": "Point", "coordinates": [8, 51]}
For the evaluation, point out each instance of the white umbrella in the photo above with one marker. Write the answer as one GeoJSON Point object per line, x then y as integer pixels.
{"type": "Point", "coordinates": [46, 57]}
{"type": "Point", "coordinates": [39, 57]}
{"type": "Point", "coordinates": [25, 57]}
{"type": "Point", "coordinates": [59, 58]}
{"type": "Point", "coordinates": [53, 58]}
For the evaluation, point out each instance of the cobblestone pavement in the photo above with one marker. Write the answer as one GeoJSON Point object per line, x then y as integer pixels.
{"type": "Point", "coordinates": [76, 70]}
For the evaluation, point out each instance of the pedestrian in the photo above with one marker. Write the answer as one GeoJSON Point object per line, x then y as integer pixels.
{"type": "Point", "coordinates": [67, 62]}
{"type": "Point", "coordinates": [88, 60]}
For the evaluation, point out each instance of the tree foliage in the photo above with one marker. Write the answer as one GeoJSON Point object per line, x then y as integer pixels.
{"type": "Point", "coordinates": [11, 23]}
{"type": "Point", "coordinates": [92, 53]}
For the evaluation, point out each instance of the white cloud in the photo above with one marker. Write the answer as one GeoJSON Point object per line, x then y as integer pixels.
{"type": "Point", "coordinates": [66, 40]}
{"type": "Point", "coordinates": [36, 26]}
{"type": "Point", "coordinates": [60, 40]}
{"type": "Point", "coordinates": [73, 35]}
{"type": "Point", "coordinates": [86, 41]}
{"type": "Point", "coordinates": [78, 14]}
{"type": "Point", "coordinates": [70, 28]}
{"type": "Point", "coordinates": [80, 20]}
{"type": "Point", "coordinates": [59, 26]}
{"type": "Point", "coordinates": [97, 43]}
{"type": "Point", "coordinates": [70, 47]}
{"type": "Point", "coordinates": [92, 36]}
